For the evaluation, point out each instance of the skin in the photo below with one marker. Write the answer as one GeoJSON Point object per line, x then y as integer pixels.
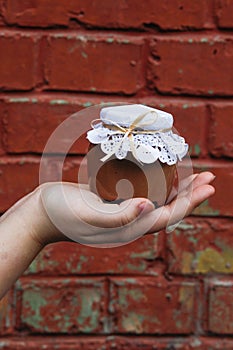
{"type": "Point", "coordinates": [28, 226]}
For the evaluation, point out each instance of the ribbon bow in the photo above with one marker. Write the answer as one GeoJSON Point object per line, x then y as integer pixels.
{"type": "Point", "coordinates": [129, 131]}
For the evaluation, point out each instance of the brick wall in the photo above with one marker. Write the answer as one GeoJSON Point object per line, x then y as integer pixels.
{"type": "Point", "coordinates": [161, 292]}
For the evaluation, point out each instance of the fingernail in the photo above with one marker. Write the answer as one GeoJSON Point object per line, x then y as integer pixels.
{"type": "Point", "coordinates": [142, 206]}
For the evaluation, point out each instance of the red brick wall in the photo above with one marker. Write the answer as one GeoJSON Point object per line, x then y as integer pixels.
{"type": "Point", "coordinates": [56, 57]}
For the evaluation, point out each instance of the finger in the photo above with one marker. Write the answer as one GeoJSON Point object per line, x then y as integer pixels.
{"type": "Point", "coordinates": [104, 215]}
{"type": "Point", "coordinates": [203, 178]}
{"type": "Point", "coordinates": [121, 234]}
{"type": "Point", "coordinates": [182, 206]}
{"type": "Point", "coordinates": [192, 180]}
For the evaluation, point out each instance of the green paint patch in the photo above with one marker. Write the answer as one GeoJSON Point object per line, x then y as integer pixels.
{"type": "Point", "coordinates": [82, 259]}
{"type": "Point", "coordinates": [34, 300]}
{"type": "Point", "coordinates": [205, 209]}
{"type": "Point", "coordinates": [125, 294]}
{"type": "Point", "coordinates": [59, 35]}
{"type": "Point", "coordinates": [19, 100]}
{"type": "Point", "coordinates": [84, 54]}
{"type": "Point", "coordinates": [146, 254]}
{"type": "Point", "coordinates": [185, 106]}
{"type": "Point", "coordinates": [140, 268]}
{"type": "Point", "coordinates": [59, 102]}
{"type": "Point", "coordinates": [82, 38]}
{"type": "Point", "coordinates": [133, 322]}
{"type": "Point", "coordinates": [197, 149]}
{"type": "Point", "coordinates": [88, 317]}
{"type": "Point", "coordinates": [87, 104]}
{"type": "Point", "coordinates": [109, 40]}
{"type": "Point", "coordinates": [123, 41]}
{"type": "Point", "coordinates": [204, 40]}
{"type": "Point", "coordinates": [190, 41]}
{"type": "Point", "coordinates": [210, 92]}
{"type": "Point", "coordinates": [185, 226]}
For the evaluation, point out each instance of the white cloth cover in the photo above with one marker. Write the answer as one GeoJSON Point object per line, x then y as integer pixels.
{"type": "Point", "coordinates": [146, 147]}
{"type": "Point", "coordinates": [125, 116]}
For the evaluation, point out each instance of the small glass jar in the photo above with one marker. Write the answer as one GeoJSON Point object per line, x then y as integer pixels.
{"type": "Point", "coordinates": [121, 161]}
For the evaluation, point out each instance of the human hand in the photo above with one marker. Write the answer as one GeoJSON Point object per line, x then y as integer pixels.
{"type": "Point", "coordinates": [71, 211]}
{"type": "Point", "coordinates": [61, 211]}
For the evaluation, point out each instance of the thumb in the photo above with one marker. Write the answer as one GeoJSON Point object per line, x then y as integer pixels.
{"type": "Point", "coordinates": [108, 215]}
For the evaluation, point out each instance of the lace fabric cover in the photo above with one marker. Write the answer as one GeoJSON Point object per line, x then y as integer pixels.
{"type": "Point", "coordinates": [146, 147]}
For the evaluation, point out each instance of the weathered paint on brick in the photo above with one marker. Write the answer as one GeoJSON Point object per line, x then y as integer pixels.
{"type": "Point", "coordinates": [220, 141]}
{"type": "Point", "coordinates": [221, 203]}
{"type": "Point", "coordinates": [172, 55]}
{"type": "Point", "coordinates": [6, 314]}
{"type": "Point", "coordinates": [143, 306]}
{"type": "Point", "coordinates": [66, 305]}
{"type": "Point", "coordinates": [220, 308]}
{"type": "Point", "coordinates": [70, 258]}
{"type": "Point", "coordinates": [54, 343]}
{"type": "Point", "coordinates": [201, 246]}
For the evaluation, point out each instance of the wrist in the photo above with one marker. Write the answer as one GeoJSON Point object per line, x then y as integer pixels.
{"type": "Point", "coordinates": [44, 231]}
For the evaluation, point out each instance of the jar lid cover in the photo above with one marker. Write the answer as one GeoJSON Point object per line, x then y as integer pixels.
{"type": "Point", "coordinates": [144, 131]}
{"type": "Point", "coordinates": [125, 115]}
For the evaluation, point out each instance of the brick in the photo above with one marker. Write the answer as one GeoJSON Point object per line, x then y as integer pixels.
{"type": "Point", "coordinates": [62, 305]}
{"type": "Point", "coordinates": [27, 172]}
{"type": "Point", "coordinates": [148, 305]}
{"type": "Point", "coordinates": [178, 65]}
{"type": "Point", "coordinates": [224, 11]}
{"type": "Point", "coordinates": [220, 309]}
{"type": "Point", "coordinates": [171, 343]}
{"type": "Point", "coordinates": [116, 343]}
{"type": "Point", "coordinates": [29, 122]}
{"type": "Point", "coordinates": [221, 203]}
{"type": "Point", "coordinates": [17, 74]}
{"type": "Point", "coordinates": [53, 343]}
{"type": "Point", "coordinates": [116, 63]}
{"type": "Point", "coordinates": [220, 133]}
{"type": "Point", "coordinates": [201, 246]}
{"type": "Point", "coordinates": [6, 315]}
{"type": "Point", "coordinates": [180, 15]}
{"type": "Point", "coordinates": [37, 13]}
{"type": "Point", "coordinates": [41, 116]}
{"type": "Point", "coordinates": [138, 257]}
{"type": "Point", "coordinates": [187, 115]}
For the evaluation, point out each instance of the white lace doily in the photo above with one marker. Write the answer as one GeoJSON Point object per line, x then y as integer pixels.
{"type": "Point", "coordinates": [146, 148]}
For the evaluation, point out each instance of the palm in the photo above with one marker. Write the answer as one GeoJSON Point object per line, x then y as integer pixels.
{"type": "Point", "coordinates": [80, 215]}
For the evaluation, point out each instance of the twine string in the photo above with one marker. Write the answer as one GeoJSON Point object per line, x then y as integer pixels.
{"type": "Point", "coordinates": [129, 131]}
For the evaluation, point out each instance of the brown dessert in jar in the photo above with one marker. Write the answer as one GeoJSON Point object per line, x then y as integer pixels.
{"type": "Point", "coordinates": [123, 179]}
{"type": "Point", "coordinates": [121, 161]}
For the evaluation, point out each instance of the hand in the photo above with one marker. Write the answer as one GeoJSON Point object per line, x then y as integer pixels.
{"type": "Point", "coordinates": [61, 211]}
{"type": "Point", "coordinates": [71, 211]}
